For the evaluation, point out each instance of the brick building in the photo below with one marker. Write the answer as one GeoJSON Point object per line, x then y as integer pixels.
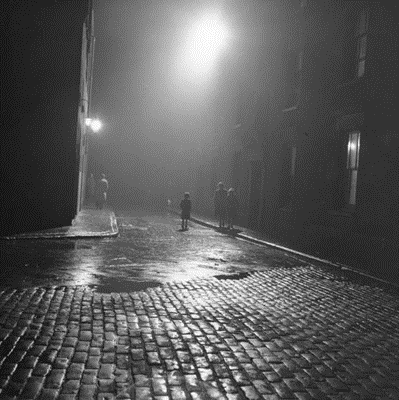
{"type": "Point", "coordinates": [311, 144]}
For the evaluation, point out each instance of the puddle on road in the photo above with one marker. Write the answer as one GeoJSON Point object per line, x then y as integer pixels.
{"type": "Point", "coordinates": [236, 277]}
{"type": "Point", "coordinates": [117, 286]}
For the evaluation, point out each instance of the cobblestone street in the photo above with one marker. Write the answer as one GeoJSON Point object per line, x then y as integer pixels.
{"type": "Point", "coordinates": [282, 333]}
{"type": "Point", "coordinates": [198, 200]}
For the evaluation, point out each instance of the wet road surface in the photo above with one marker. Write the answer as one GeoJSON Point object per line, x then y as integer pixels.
{"type": "Point", "coordinates": [150, 250]}
{"type": "Point", "coordinates": [290, 330]}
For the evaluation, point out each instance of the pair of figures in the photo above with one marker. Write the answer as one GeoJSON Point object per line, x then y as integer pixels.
{"type": "Point", "coordinates": [226, 206]}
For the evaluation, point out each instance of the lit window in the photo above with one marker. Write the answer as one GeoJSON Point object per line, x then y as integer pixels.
{"type": "Point", "coordinates": [352, 166]}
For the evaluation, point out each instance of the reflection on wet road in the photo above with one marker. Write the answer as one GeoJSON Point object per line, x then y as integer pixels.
{"type": "Point", "coordinates": [150, 250]}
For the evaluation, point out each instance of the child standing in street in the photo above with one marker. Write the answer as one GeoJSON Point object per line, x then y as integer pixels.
{"type": "Point", "coordinates": [185, 206]}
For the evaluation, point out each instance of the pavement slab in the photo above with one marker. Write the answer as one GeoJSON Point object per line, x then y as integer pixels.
{"type": "Point", "coordinates": [88, 223]}
{"type": "Point", "coordinates": [281, 333]}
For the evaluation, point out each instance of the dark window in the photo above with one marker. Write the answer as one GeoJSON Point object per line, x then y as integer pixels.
{"type": "Point", "coordinates": [354, 49]}
{"type": "Point", "coordinates": [362, 43]}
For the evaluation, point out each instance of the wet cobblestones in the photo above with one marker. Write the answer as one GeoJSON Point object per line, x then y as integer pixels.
{"type": "Point", "coordinates": [283, 333]}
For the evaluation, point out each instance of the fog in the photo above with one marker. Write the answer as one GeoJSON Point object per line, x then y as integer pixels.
{"type": "Point", "coordinates": [164, 76]}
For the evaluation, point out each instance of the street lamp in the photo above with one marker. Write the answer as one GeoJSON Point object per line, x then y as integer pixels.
{"type": "Point", "coordinates": [94, 124]}
{"type": "Point", "coordinates": [205, 40]}
{"type": "Point", "coordinates": [207, 36]}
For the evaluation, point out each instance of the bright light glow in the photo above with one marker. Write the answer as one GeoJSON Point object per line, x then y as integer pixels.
{"type": "Point", "coordinates": [96, 125]}
{"type": "Point", "coordinates": [206, 38]}
{"type": "Point", "coordinates": [88, 121]}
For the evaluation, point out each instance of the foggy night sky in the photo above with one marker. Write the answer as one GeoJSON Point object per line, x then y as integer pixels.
{"type": "Point", "coordinates": [156, 118]}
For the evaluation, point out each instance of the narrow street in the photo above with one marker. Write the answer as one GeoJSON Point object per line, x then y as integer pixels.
{"type": "Point", "coordinates": [150, 250]}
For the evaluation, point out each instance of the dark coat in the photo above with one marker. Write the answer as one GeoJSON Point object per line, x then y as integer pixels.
{"type": "Point", "coordinates": [232, 205]}
{"type": "Point", "coordinates": [220, 202]}
{"type": "Point", "coordinates": [185, 206]}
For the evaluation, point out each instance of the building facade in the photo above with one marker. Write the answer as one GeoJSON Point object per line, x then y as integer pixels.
{"type": "Point", "coordinates": [46, 75]}
{"type": "Point", "coordinates": [317, 158]}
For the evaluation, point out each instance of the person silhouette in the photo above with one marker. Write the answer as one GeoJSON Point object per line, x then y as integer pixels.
{"type": "Point", "coordinates": [185, 206]}
{"type": "Point", "coordinates": [102, 190]}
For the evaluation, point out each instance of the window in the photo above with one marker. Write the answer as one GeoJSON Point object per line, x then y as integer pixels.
{"type": "Point", "coordinates": [352, 166]}
{"type": "Point", "coordinates": [354, 56]}
{"type": "Point", "coordinates": [361, 43]}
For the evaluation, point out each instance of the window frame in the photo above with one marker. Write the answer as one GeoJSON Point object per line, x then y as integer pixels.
{"type": "Point", "coordinates": [361, 36]}
{"type": "Point", "coordinates": [352, 168]}
{"type": "Point", "coordinates": [356, 41]}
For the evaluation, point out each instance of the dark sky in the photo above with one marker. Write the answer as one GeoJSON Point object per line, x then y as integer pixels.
{"type": "Point", "coordinates": [159, 106]}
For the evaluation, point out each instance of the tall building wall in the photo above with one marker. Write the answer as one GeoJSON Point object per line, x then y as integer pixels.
{"type": "Point", "coordinates": [312, 97]}
{"type": "Point", "coordinates": [343, 198]}
{"type": "Point", "coordinates": [40, 105]}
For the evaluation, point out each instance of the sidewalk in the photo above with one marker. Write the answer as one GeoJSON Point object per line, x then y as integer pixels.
{"type": "Point", "coordinates": [89, 223]}
{"type": "Point", "coordinates": [261, 239]}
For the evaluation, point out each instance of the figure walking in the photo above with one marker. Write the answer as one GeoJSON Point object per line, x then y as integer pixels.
{"type": "Point", "coordinates": [185, 206]}
{"type": "Point", "coordinates": [220, 204]}
{"type": "Point", "coordinates": [232, 208]}
{"type": "Point", "coordinates": [92, 190]}
{"type": "Point", "coordinates": [102, 189]}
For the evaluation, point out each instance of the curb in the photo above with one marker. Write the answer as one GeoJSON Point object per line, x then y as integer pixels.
{"type": "Point", "coordinates": [342, 267]}
{"type": "Point", "coordinates": [50, 236]}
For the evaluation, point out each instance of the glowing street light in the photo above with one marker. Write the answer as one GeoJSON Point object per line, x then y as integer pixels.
{"type": "Point", "coordinates": [94, 124]}
{"type": "Point", "coordinates": [206, 37]}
